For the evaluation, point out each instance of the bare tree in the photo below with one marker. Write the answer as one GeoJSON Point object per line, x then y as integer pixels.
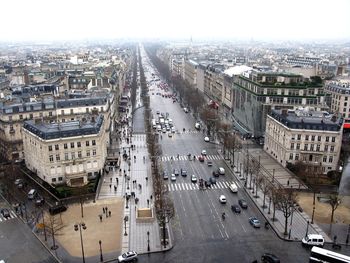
{"type": "Point", "coordinates": [285, 202]}
{"type": "Point", "coordinates": [53, 225]}
{"type": "Point", "coordinates": [334, 202]}
{"type": "Point", "coordinates": [265, 188]}
{"type": "Point", "coordinates": [211, 120]}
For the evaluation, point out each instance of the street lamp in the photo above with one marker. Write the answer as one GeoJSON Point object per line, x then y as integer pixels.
{"type": "Point", "coordinates": [77, 227]}
{"type": "Point", "coordinates": [101, 256]}
{"type": "Point", "coordinates": [307, 228]}
{"type": "Point", "coordinates": [148, 248]}
{"type": "Point", "coordinates": [126, 218]}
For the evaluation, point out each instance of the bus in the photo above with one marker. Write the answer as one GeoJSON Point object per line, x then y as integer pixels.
{"type": "Point", "coordinates": [326, 256]}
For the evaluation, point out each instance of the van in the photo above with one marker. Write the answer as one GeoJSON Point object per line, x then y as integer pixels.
{"type": "Point", "coordinates": [221, 171]}
{"type": "Point", "coordinates": [56, 209]}
{"type": "Point", "coordinates": [32, 194]}
{"type": "Point", "coordinates": [313, 240]}
{"type": "Point", "coordinates": [233, 187]}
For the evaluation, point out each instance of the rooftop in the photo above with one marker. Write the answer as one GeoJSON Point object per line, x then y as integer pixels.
{"type": "Point", "coordinates": [307, 119]}
{"type": "Point", "coordinates": [49, 131]}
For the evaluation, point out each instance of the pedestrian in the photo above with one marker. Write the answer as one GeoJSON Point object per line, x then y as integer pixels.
{"type": "Point", "coordinates": [100, 216]}
{"type": "Point", "coordinates": [146, 178]}
{"type": "Point", "coordinates": [103, 209]}
{"type": "Point", "coordinates": [117, 180]}
{"type": "Point", "coordinates": [106, 209]}
{"type": "Point", "coordinates": [104, 180]}
{"type": "Point", "coordinates": [147, 202]}
{"type": "Point", "coordinates": [110, 186]}
{"type": "Point", "coordinates": [151, 197]}
{"type": "Point", "coordinates": [288, 182]}
{"type": "Point", "coordinates": [115, 189]}
{"type": "Point", "coordinates": [109, 213]}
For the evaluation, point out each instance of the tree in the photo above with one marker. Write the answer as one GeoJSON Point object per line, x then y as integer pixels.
{"type": "Point", "coordinates": [265, 188]}
{"type": "Point", "coordinates": [53, 225]}
{"type": "Point", "coordinates": [334, 202]}
{"type": "Point", "coordinates": [285, 202]}
{"type": "Point", "coordinates": [211, 120]}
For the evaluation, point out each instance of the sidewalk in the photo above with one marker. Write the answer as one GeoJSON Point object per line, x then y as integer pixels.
{"type": "Point", "coordinates": [297, 223]}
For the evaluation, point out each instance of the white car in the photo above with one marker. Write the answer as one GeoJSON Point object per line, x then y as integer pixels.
{"type": "Point", "coordinates": [193, 178]}
{"type": "Point", "coordinates": [173, 177]}
{"type": "Point", "coordinates": [128, 256]}
{"type": "Point", "coordinates": [233, 187]}
{"type": "Point", "coordinates": [204, 152]}
{"type": "Point", "coordinates": [222, 199]}
{"type": "Point", "coordinates": [206, 139]}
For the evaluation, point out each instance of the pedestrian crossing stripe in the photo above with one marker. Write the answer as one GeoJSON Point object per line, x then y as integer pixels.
{"type": "Point", "coordinates": [172, 187]}
{"type": "Point", "coordinates": [190, 132]}
{"type": "Point", "coordinates": [185, 158]}
{"type": "Point", "coordinates": [12, 215]}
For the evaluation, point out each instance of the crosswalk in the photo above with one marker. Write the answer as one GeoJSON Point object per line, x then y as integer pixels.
{"type": "Point", "coordinates": [185, 158]}
{"type": "Point", "coordinates": [172, 187]}
{"type": "Point", "coordinates": [189, 132]}
{"type": "Point", "coordinates": [12, 215]}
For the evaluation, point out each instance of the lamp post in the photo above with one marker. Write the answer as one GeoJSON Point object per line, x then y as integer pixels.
{"type": "Point", "coordinates": [240, 169]}
{"type": "Point", "coordinates": [148, 248]}
{"type": "Point", "coordinates": [307, 228]}
{"type": "Point", "coordinates": [77, 227]}
{"type": "Point", "coordinates": [101, 256]}
{"type": "Point", "coordinates": [42, 214]}
{"type": "Point", "coordinates": [313, 207]}
{"type": "Point", "coordinates": [126, 218]}
{"type": "Point", "coordinates": [269, 212]}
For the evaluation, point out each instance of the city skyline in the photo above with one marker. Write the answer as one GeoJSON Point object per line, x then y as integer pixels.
{"type": "Point", "coordinates": [258, 20]}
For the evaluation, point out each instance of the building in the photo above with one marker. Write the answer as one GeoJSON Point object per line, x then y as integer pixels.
{"type": "Point", "coordinates": [256, 93]}
{"type": "Point", "coordinates": [304, 135]}
{"type": "Point", "coordinates": [190, 72]}
{"type": "Point", "coordinates": [338, 96]}
{"type": "Point", "coordinates": [66, 153]}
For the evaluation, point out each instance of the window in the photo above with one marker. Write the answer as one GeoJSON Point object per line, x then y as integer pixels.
{"type": "Point", "coordinates": [53, 180]}
{"type": "Point", "coordinates": [57, 147]}
{"type": "Point", "coordinates": [66, 156]}
{"type": "Point", "coordinates": [325, 158]}
{"type": "Point", "coordinates": [318, 147]}
{"type": "Point", "coordinates": [313, 138]}
{"type": "Point", "coordinates": [293, 137]}
{"type": "Point", "coordinates": [94, 152]}
{"type": "Point", "coordinates": [297, 156]}
{"type": "Point", "coordinates": [306, 146]}
{"type": "Point", "coordinates": [62, 112]}
{"type": "Point", "coordinates": [21, 117]}
{"type": "Point", "coordinates": [93, 142]}
{"type": "Point", "coordinates": [298, 146]}
{"type": "Point", "coordinates": [291, 156]}
{"type": "Point", "coordinates": [50, 113]}
{"type": "Point", "coordinates": [73, 155]}
{"type": "Point", "coordinates": [79, 144]}
{"type": "Point", "coordinates": [60, 179]}
{"type": "Point", "coordinates": [333, 139]}
{"type": "Point", "coordinates": [306, 137]}
{"type": "Point", "coordinates": [57, 157]}
{"type": "Point", "coordinates": [332, 148]}
{"type": "Point", "coordinates": [71, 111]}
{"type": "Point", "coordinates": [79, 154]}
{"type": "Point", "coordinates": [31, 116]}
{"type": "Point", "coordinates": [311, 147]}
{"type": "Point", "coordinates": [72, 145]}
{"type": "Point", "coordinates": [319, 138]}
{"type": "Point", "coordinates": [327, 138]}
{"type": "Point", "coordinates": [326, 148]}
{"type": "Point", "coordinates": [330, 160]}
{"type": "Point", "coordinates": [87, 143]}
{"type": "Point", "coordinates": [292, 146]}
{"type": "Point", "coordinates": [50, 148]}
{"type": "Point", "coordinates": [88, 153]}
{"type": "Point", "coordinates": [299, 136]}
{"type": "Point", "coordinates": [65, 146]}
{"type": "Point", "coordinates": [51, 158]}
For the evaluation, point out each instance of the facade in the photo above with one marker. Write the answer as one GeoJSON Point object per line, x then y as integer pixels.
{"type": "Point", "coordinates": [304, 135]}
{"type": "Point", "coordinates": [256, 93]}
{"type": "Point", "coordinates": [14, 113]}
{"type": "Point", "coordinates": [72, 152]}
{"type": "Point", "coordinates": [338, 95]}
{"type": "Point", "coordinates": [191, 72]}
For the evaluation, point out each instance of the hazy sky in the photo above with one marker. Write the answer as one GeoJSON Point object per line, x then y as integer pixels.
{"type": "Point", "coordinates": [257, 19]}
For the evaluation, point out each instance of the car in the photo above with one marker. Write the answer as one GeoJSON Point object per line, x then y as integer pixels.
{"type": "Point", "coordinates": [176, 172]}
{"type": "Point", "coordinates": [128, 256]}
{"type": "Point", "coordinates": [164, 130]}
{"type": "Point", "coordinates": [269, 258]}
{"type": "Point", "coordinates": [184, 173]}
{"type": "Point", "coordinates": [222, 199]}
{"type": "Point", "coordinates": [209, 163]}
{"type": "Point", "coordinates": [56, 209]}
{"type": "Point", "coordinates": [186, 110]}
{"type": "Point", "coordinates": [170, 134]}
{"type": "Point", "coordinates": [193, 178]}
{"type": "Point", "coordinates": [5, 213]}
{"type": "Point", "coordinates": [243, 203]}
{"type": "Point", "coordinates": [201, 159]}
{"type": "Point", "coordinates": [173, 177]}
{"type": "Point", "coordinates": [221, 170]}
{"type": "Point", "coordinates": [18, 181]}
{"type": "Point", "coordinates": [233, 187]}
{"type": "Point", "coordinates": [236, 209]}
{"type": "Point", "coordinates": [165, 175]}
{"type": "Point", "coordinates": [206, 139]}
{"type": "Point", "coordinates": [39, 200]}
{"type": "Point", "coordinates": [216, 173]}
{"type": "Point", "coordinates": [313, 240]}
{"type": "Point", "coordinates": [158, 112]}
{"type": "Point", "coordinates": [204, 152]}
{"type": "Point", "coordinates": [254, 222]}
{"type": "Point", "coordinates": [212, 180]}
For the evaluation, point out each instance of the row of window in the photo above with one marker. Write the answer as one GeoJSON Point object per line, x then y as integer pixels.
{"type": "Point", "coordinates": [296, 157]}
{"type": "Point", "coordinates": [313, 137]}
{"type": "Point", "coordinates": [72, 155]}
{"type": "Point", "coordinates": [72, 145]}
{"type": "Point", "coordinates": [312, 147]}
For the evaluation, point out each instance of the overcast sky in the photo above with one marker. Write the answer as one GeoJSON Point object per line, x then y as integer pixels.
{"type": "Point", "coordinates": [231, 19]}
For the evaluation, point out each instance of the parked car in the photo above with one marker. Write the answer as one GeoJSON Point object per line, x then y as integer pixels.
{"type": "Point", "coordinates": [39, 200]}
{"type": "Point", "coordinates": [243, 203]}
{"type": "Point", "coordinates": [165, 175]}
{"type": "Point", "coordinates": [313, 240]}
{"type": "Point", "coordinates": [236, 209]}
{"type": "Point", "coordinates": [5, 213]}
{"type": "Point", "coordinates": [128, 256]}
{"type": "Point", "coordinates": [56, 209]}
{"type": "Point", "coordinates": [193, 178]}
{"type": "Point", "coordinates": [173, 177]}
{"type": "Point", "coordinates": [222, 199]}
{"type": "Point", "coordinates": [254, 222]}
{"type": "Point", "coordinates": [269, 258]}
{"type": "Point", "coordinates": [18, 181]}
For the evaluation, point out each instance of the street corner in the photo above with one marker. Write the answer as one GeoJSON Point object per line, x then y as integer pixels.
{"type": "Point", "coordinates": [102, 220]}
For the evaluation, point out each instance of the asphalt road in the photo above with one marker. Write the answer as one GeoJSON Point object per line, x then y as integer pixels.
{"type": "Point", "coordinates": [200, 233]}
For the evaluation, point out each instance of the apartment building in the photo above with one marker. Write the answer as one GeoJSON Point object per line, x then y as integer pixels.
{"type": "Point", "coordinates": [50, 109]}
{"type": "Point", "coordinates": [304, 135]}
{"type": "Point", "coordinates": [190, 72]}
{"type": "Point", "coordinates": [257, 93]}
{"type": "Point", "coordinates": [338, 96]}
{"type": "Point", "coordinates": [66, 153]}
